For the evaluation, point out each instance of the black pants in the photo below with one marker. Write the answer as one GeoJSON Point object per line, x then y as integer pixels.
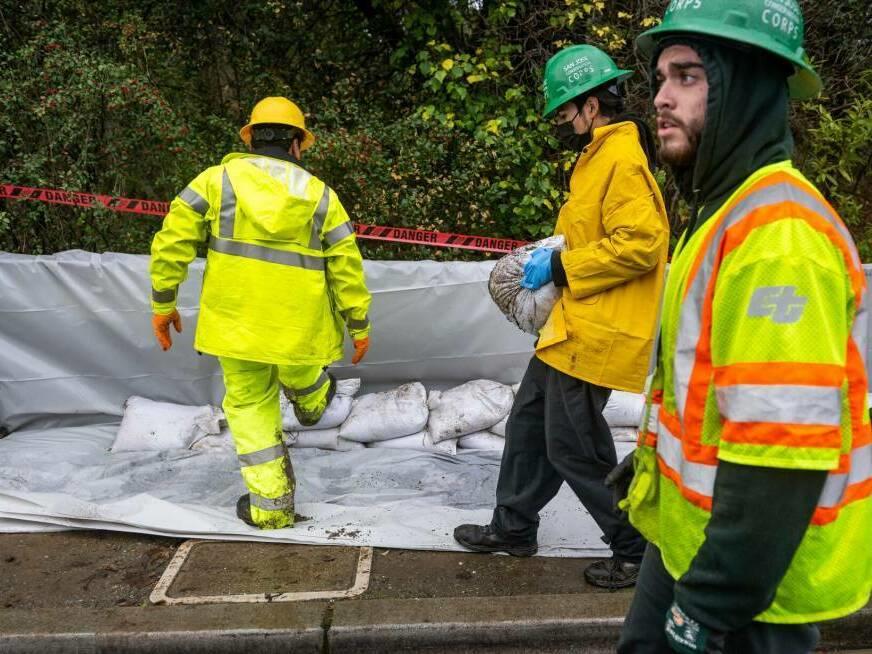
{"type": "Point", "coordinates": [555, 433]}
{"type": "Point", "coordinates": [643, 628]}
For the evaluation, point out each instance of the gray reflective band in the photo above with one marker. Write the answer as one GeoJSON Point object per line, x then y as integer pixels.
{"type": "Point", "coordinates": [295, 393]}
{"type": "Point", "coordinates": [698, 477]}
{"type": "Point", "coordinates": [262, 456]}
{"type": "Point", "coordinates": [358, 324]}
{"type": "Point", "coordinates": [837, 484]}
{"type": "Point", "coordinates": [163, 296]}
{"type": "Point", "coordinates": [270, 255]}
{"type": "Point", "coordinates": [338, 233]}
{"type": "Point", "coordinates": [286, 501]}
{"type": "Point", "coordinates": [802, 405]}
{"type": "Point", "coordinates": [195, 200]}
{"type": "Point", "coordinates": [228, 207]}
{"type": "Point", "coordinates": [318, 219]}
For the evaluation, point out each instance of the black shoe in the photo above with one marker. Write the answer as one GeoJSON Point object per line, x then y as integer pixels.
{"type": "Point", "coordinates": [612, 573]}
{"type": "Point", "coordinates": [308, 419]}
{"type": "Point", "coordinates": [243, 510]}
{"type": "Point", "coordinates": [481, 538]}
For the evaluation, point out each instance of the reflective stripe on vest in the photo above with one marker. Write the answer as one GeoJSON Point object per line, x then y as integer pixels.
{"type": "Point", "coordinates": [284, 502]}
{"type": "Point", "coordinates": [318, 219]}
{"type": "Point", "coordinates": [227, 216]}
{"type": "Point", "coordinates": [821, 405]}
{"type": "Point", "coordinates": [269, 255]}
{"type": "Point", "coordinates": [262, 456]}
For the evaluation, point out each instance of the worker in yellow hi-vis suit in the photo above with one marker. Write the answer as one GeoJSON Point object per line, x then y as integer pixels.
{"type": "Point", "coordinates": [284, 278]}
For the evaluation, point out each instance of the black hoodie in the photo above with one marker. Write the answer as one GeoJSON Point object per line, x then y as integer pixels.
{"type": "Point", "coordinates": [759, 515]}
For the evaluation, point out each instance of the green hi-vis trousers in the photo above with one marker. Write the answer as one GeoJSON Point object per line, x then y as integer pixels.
{"type": "Point", "coordinates": [251, 405]}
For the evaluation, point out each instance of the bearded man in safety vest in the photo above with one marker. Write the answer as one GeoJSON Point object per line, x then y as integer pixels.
{"type": "Point", "coordinates": [753, 478]}
{"type": "Point", "coordinates": [284, 279]}
{"type": "Point", "coordinates": [599, 335]}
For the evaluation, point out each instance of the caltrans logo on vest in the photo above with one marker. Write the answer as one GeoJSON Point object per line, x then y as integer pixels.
{"type": "Point", "coordinates": [781, 303]}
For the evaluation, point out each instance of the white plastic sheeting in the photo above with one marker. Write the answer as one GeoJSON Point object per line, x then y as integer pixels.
{"type": "Point", "coordinates": [76, 342]}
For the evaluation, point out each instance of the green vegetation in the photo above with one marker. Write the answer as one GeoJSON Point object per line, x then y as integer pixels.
{"type": "Point", "coordinates": [427, 112]}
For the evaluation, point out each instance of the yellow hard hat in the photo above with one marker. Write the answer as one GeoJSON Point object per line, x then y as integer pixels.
{"type": "Point", "coordinates": [278, 111]}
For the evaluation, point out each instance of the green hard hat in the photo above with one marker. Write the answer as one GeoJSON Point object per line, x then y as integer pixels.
{"type": "Point", "coordinates": [775, 26]}
{"type": "Point", "coordinates": [576, 70]}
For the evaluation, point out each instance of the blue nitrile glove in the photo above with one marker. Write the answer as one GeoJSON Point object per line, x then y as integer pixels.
{"type": "Point", "coordinates": [537, 271]}
{"type": "Point", "coordinates": [687, 636]}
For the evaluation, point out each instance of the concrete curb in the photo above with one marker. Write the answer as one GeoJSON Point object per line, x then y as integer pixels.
{"type": "Point", "coordinates": [543, 623]}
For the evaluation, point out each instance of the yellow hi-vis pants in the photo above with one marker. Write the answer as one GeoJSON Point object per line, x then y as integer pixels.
{"type": "Point", "coordinates": [251, 405]}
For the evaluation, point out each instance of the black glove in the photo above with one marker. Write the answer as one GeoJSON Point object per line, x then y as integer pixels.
{"type": "Point", "coordinates": [619, 480]}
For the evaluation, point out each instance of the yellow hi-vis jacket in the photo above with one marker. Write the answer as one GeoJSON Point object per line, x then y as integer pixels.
{"type": "Point", "coordinates": [283, 277]}
{"type": "Point", "coordinates": [603, 327]}
{"type": "Point", "coordinates": [762, 363]}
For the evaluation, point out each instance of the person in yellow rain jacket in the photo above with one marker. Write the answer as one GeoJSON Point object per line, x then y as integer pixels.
{"type": "Point", "coordinates": [284, 280]}
{"type": "Point", "coordinates": [600, 334]}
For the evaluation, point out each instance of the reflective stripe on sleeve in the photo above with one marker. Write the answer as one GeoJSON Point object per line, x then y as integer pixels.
{"type": "Point", "coordinates": [168, 295]}
{"type": "Point", "coordinates": [196, 201]}
{"type": "Point", "coordinates": [286, 501]}
{"type": "Point", "coordinates": [352, 323]}
{"type": "Point", "coordinates": [338, 233]}
{"type": "Point", "coordinates": [802, 405]}
{"type": "Point", "coordinates": [270, 255]}
{"type": "Point", "coordinates": [262, 456]}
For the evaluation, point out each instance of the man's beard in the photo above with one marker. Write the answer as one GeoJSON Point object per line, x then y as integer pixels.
{"type": "Point", "coordinates": [685, 156]}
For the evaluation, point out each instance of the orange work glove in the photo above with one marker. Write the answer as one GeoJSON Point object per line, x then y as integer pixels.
{"type": "Point", "coordinates": [360, 348]}
{"type": "Point", "coordinates": [161, 326]}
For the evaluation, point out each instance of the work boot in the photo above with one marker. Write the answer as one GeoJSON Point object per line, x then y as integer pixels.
{"type": "Point", "coordinates": [612, 573]}
{"type": "Point", "coordinates": [309, 418]}
{"type": "Point", "coordinates": [243, 511]}
{"type": "Point", "coordinates": [482, 538]}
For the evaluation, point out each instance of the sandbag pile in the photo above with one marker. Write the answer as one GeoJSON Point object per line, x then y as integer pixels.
{"type": "Point", "coordinates": [527, 309]}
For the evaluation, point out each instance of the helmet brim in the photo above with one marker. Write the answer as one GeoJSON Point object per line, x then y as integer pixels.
{"type": "Point", "coordinates": [552, 107]}
{"type": "Point", "coordinates": [307, 142]}
{"type": "Point", "coordinates": [804, 84]}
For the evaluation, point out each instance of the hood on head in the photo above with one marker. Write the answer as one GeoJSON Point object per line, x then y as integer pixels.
{"type": "Point", "coordinates": [746, 125]}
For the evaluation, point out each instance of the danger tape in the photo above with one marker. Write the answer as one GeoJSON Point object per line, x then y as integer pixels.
{"type": "Point", "coordinates": [156, 208]}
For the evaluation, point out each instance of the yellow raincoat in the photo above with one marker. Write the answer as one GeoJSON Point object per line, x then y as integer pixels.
{"type": "Point", "coordinates": [284, 276]}
{"type": "Point", "coordinates": [617, 234]}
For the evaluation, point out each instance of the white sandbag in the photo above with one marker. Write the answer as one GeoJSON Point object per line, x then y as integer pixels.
{"type": "Point", "coordinates": [525, 308]}
{"type": "Point", "coordinates": [325, 439]}
{"type": "Point", "coordinates": [390, 414]}
{"type": "Point", "coordinates": [481, 440]}
{"type": "Point", "coordinates": [335, 413]}
{"type": "Point", "coordinates": [624, 409]}
{"type": "Point", "coordinates": [625, 434]}
{"type": "Point", "coordinates": [500, 428]}
{"type": "Point", "coordinates": [419, 441]}
{"type": "Point", "coordinates": [515, 388]}
{"type": "Point", "coordinates": [470, 407]}
{"type": "Point", "coordinates": [220, 442]}
{"type": "Point", "coordinates": [150, 425]}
